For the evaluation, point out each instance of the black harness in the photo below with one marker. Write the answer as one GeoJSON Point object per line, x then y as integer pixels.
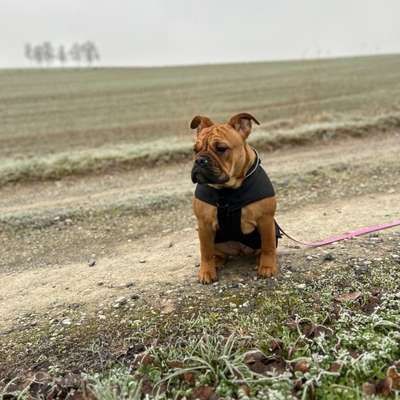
{"type": "Point", "coordinates": [229, 202]}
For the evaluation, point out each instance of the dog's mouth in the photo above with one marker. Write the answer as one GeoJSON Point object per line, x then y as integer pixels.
{"type": "Point", "coordinates": [208, 176]}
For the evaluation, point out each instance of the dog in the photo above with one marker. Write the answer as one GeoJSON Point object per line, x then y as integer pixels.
{"type": "Point", "coordinates": [234, 200]}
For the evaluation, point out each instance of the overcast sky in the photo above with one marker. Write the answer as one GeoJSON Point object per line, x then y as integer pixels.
{"type": "Point", "coordinates": [160, 32]}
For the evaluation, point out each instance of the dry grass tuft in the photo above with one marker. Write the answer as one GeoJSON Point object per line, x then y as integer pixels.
{"type": "Point", "coordinates": [163, 151]}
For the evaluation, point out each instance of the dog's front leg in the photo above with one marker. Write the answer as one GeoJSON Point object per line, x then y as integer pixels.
{"type": "Point", "coordinates": [267, 265]}
{"type": "Point", "coordinates": [206, 215]}
{"type": "Point", "coordinates": [207, 273]}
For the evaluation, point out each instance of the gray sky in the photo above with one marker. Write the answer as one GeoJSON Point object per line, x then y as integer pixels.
{"type": "Point", "coordinates": [160, 32]}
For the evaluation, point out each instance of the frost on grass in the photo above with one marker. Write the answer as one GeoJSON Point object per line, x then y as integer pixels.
{"type": "Point", "coordinates": [115, 384]}
{"type": "Point", "coordinates": [290, 344]}
{"type": "Point", "coordinates": [56, 166]}
{"type": "Point", "coordinates": [340, 354]}
{"type": "Point", "coordinates": [306, 360]}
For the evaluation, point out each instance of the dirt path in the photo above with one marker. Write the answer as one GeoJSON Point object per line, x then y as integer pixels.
{"type": "Point", "coordinates": [171, 258]}
{"type": "Point", "coordinates": [170, 255]}
{"type": "Point", "coordinates": [96, 190]}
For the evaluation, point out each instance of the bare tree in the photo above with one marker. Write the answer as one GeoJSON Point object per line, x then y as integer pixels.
{"type": "Point", "coordinates": [90, 52]}
{"type": "Point", "coordinates": [75, 53]}
{"type": "Point", "coordinates": [62, 55]}
{"type": "Point", "coordinates": [48, 53]}
{"type": "Point", "coordinates": [28, 51]}
{"type": "Point", "coordinates": [37, 54]}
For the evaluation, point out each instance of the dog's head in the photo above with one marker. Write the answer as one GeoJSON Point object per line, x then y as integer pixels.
{"type": "Point", "coordinates": [221, 157]}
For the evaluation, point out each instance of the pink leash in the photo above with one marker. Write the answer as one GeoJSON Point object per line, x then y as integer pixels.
{"type": "Point", "coordinates": [344, 236]}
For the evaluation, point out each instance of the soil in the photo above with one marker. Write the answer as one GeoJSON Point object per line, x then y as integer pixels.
{"type": "Point", "coordinates": [137, 232]}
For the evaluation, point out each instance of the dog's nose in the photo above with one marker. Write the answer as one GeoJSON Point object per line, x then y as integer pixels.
{"type": "Point", "coordinates": [202, 161]}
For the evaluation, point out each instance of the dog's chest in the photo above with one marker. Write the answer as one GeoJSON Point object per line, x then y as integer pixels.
{"type": "Point", "coordinates": [248, 219]}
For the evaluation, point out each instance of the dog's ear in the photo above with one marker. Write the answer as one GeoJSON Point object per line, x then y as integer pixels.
{"type": "Point", "coordinates": [242, 123]}
{"type": "Point", "coordinates": [199, 122]}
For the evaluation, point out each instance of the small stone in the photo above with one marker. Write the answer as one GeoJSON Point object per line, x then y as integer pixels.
{"type": "Point", "coordinates": [121, 300]}
{"type": "Point", "coordinates": [100, 283]}
{"type": "Point", "coordinates": [134, 296]}
{"type": "Point", "coordinates": [130, 284]}
{"type": "Point", "coordinates": [362, 269]}
{"type": "Point", "coordinates": [142, 261]}
{"type": "Point", "coordinates": [92, 262]}
{"type": "Point", "coordinates": [346, 297]}
{"type": "Point", "coordinates": [301, 286]}
{"type": "Point", "coordinates": [309, 258]}
{"type": "Point", "coordinates": [253, 356]}
{"type": "Point", "coordinates": [328, 257]}
{"type": "Point", "coordinates": [66, 321]}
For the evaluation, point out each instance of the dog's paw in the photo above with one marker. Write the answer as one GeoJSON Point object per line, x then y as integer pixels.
{"type": "Point", "coordinates": [207, 276]}
{"type": "Point", "coordinates": [267, 271]}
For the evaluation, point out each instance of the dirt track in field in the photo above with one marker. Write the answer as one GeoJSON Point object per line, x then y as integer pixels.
{"type": "Point", "coordinates": [51, 229]}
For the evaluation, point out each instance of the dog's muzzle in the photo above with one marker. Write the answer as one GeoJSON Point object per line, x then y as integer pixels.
{"type": "Point", "coordinates": [205, 171]}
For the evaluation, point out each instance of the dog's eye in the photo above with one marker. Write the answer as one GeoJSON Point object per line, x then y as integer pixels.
{"type": "Point", "coordinates": [221, 148]}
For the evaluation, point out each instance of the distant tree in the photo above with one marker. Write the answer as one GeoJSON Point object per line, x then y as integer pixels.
{"type": "Point", "coordinates": [75, 53]}
{"type": "Point", "coordinates": [37, 54]}
{"type": "Point", "coordinates": [62, 55]}
{"type": "Point", "coordinates": [45, 53]}
{"type": "Point", "coordinates": [48, 53]}
{"type": "Point", "coordinates": [90, 52]}
{"type": "Point", "coordinates": [28, 51]}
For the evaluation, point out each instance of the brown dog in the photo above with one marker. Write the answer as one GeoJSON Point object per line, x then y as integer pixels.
{"type": "Point", "coordinates": [229, 177]}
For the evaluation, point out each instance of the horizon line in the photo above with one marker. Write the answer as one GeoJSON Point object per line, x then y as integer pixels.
{"type": "Point", "coordinates": [57, 66]}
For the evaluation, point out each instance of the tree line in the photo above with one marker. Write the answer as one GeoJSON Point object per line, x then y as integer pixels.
{"type": "Point", "coordinates": [47, 54]}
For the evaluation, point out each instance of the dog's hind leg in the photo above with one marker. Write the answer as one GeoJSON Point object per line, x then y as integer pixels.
{"type": "Point", "coordinates": [220, 259]}
{"type": "Point", "coordinates": [267, 266]}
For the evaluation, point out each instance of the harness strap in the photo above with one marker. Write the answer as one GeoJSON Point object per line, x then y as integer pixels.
{"type": "Point", "coordinates": [343, 236]}
{"type": "Point", "coordinates": [255, 165]}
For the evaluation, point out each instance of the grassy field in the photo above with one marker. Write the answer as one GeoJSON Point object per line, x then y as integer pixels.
{"type": "Point", "coordinates": [45, 113]}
